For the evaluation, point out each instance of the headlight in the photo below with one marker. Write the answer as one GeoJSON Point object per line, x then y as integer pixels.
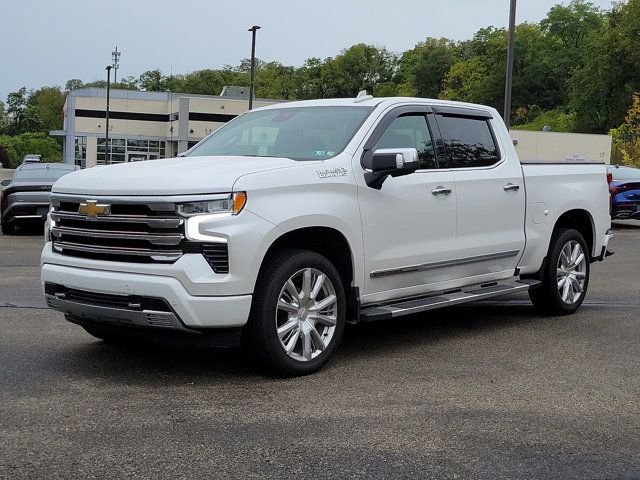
{"type": "Point", "coordinates": [230, 204]}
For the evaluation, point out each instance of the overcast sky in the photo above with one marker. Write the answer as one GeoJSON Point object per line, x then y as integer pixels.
{"type": "Point", "coordinates": [47, 42]}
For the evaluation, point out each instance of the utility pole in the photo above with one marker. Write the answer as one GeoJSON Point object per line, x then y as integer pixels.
{"type": "Point", "coordinates": [115, 60]}
{"type": "Point", "coordinates": [253, 29]}
{"type": "Point", "coordinates": [509, 81]}
{"type": "Point", "coordinates": [107, 151]}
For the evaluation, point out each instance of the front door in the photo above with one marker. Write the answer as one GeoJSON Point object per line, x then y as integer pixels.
{"type": "Point", "coordinates": [409, 224]}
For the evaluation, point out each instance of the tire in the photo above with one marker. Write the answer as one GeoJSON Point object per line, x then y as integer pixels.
{"type": "Point", "coordinates": [7, 229]}
{"type": "Point", "coordinates": [107, 337]}
{"type": "Point", "coordinates": [292, 285]}
{"type": "Point", "coordinates": [565, 281]}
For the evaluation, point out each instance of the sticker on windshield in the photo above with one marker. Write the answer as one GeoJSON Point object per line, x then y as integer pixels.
{"type": "Point", "coordinates": [320, 153]}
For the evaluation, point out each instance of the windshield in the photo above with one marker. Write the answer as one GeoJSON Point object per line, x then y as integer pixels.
{"type": "Point", "coordinates": [46, 174]}
{"type": "Point", "coordinates": [625, 173]}
{"type": "Point", "coordinates": [300, 133]}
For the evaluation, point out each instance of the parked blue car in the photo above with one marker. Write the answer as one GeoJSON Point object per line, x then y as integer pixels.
{"type": "Point", "coordinates": [624, 186]}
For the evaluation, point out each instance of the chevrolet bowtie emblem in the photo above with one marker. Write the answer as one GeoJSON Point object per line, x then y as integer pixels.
{"type": "Point", "coordinates": [91, 208]}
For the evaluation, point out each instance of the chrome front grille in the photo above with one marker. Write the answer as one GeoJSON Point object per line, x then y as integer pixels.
{"type": "Point", "coordinates": [131, 231]}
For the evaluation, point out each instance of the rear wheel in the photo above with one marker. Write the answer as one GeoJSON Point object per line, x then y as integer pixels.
{"type": "Point", "coordinates": [298, 313]}
{"type": "Point", "coordinates": [566, 276]}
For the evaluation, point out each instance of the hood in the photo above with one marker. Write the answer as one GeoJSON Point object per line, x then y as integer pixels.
{"type": "Point", "coordinates": [172, 176]}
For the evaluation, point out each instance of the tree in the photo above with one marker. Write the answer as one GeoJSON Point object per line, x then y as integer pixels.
{"type": "Point", "coordinates": [153, 81]}
{"type": "Point", "coordinates": [48, 103]}
{"type": "Point", "coordinates": [569, 28]}
{"type": "Point", "coordinates": [601, 90]}
{"type": "Point", "coordinates": [361, 67]}
{"type": "Point", "coordinates": [5, 158]}
{"type": "Point", "coordinates": [628, 143]}
{"type": "Point", "coordinates": [18, 146]}
{"type": "Point", "coordinates": [572, 24]}
{"type": "Point", "coordinates": [557, 120]}
{"type": "Point", "coordinates": [275, 80]}
{"type": "Point", "coordinates": [315, 79]}
{"type": "Point", "coordinates": [21, 117]}
{"type": "Point", "coordinates": [468, 81]}
{"type": "Point", "coordinates": [73, 84]}
{"type": "Point", "coordinates": [422, 70]}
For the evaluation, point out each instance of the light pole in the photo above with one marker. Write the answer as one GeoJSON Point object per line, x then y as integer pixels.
{"type": "Point", "coordinates": [107, 150]}
{"type": "Point", "coordinates": [253, 29]}
{"type": "Point", "coordinates": [115, 57]}
{"type": "Point", "coordinates": [509, 81]}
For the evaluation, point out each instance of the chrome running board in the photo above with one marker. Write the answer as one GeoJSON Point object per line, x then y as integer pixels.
{"type": "Point", "coordinates": [445, 299]}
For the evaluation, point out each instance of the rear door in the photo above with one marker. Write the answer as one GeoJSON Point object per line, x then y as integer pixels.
{"type": "Point", "coordinates": [490, 194]}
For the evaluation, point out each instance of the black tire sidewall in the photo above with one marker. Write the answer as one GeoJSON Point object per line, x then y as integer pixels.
{"type": "Point", "coordinates": [561, 238]}
{"type": "Point", "coordinates": [261, 331]}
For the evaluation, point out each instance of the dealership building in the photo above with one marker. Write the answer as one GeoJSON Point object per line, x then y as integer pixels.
{"type": "Point", "coordinates": [143, 125]}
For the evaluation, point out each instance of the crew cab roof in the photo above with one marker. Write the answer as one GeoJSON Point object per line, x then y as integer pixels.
{"type": "Point", "coordinates": [376, 102]}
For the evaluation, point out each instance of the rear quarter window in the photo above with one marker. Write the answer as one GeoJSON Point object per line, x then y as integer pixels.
{"type": "Point", "coordinates": [469, 142]}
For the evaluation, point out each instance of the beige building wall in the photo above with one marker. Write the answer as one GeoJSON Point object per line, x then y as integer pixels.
{"type": "Point", "coordinates": [92, 153]}
{"type": "Point", "coordinates": [562, 147]}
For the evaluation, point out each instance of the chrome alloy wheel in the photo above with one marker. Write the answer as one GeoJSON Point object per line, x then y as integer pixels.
{"type": "Point", "coordinates": [306, 314]}
{"type": "Point", "coordinates": [571, 272]}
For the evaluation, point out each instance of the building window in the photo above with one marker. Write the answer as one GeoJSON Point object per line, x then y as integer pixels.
{"type": "Point", "coordinates": [145, 150]}
{"type": "Point", "coordinates": [115, 153]}
{"type": "Point", "coordinates": [81, 151]}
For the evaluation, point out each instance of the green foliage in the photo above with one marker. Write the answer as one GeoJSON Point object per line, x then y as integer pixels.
{"type": "Point", "coordinates": [572, 24]}
{"type": "Point", "coordinates": [73, 84]}
{"type": "Point", "coordinates": [422, 70]}
{"type": "Point", "coordinates": [48, 103]}
{"type": "Point", "coordinates": [626, 138]}
{"type": "Point", "coordinates": [18, 146]}
{"type": "Point", "coordinates": [602, 88]}
{"type": "Point", "coordinates": [468, 81]}
{"type": "Point", "coordinates": [558, 120]}
{"type": "Point", "coordinates": [361, 67]}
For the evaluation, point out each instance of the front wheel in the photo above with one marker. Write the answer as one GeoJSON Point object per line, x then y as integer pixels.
{"type": "Point", "coordinates": [298, 312]}
{"type": "Point", "coordinates": [566, 275]}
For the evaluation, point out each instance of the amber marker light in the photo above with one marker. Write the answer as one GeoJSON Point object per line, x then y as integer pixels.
{"type": "Point", "coordinates": [239, 200]}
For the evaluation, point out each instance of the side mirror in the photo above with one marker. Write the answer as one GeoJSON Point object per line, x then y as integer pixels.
{"type": "Point", "coordinates": [5, 182]}
{"type": "Point", "coordinates": [390, 159]}
{"type": "Point", "coordinates": [391, 162]}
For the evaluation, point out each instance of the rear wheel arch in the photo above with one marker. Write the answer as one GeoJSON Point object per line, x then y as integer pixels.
{"type": "Point", "coordinates": [581, 221]}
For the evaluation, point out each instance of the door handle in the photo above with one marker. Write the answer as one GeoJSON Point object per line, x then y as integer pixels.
{"type": "Point", "coordinates": [440, 190]}
{"type": "Point", "coordinates": [510, 187]}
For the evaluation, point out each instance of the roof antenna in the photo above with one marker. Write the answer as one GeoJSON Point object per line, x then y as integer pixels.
{"type": "Point", "coordinates": [362, 97]}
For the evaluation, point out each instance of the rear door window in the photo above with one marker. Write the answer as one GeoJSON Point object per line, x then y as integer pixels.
{"type": "Point", "coordinates": [469, 142]}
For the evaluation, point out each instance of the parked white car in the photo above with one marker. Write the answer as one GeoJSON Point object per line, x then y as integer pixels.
{"type": "Point", "coordinates": [294, 219]}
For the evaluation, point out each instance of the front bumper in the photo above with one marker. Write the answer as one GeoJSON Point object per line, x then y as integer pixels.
{"type": "Point", "coordinates": [186, 311]}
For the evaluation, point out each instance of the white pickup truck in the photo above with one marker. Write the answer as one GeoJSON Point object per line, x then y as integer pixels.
{"type": "Point", "coordinates": [294, 219]}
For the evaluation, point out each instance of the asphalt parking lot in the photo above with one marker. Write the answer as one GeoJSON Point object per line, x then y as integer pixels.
{"type": "Point", "coordinates": [491, 390]}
